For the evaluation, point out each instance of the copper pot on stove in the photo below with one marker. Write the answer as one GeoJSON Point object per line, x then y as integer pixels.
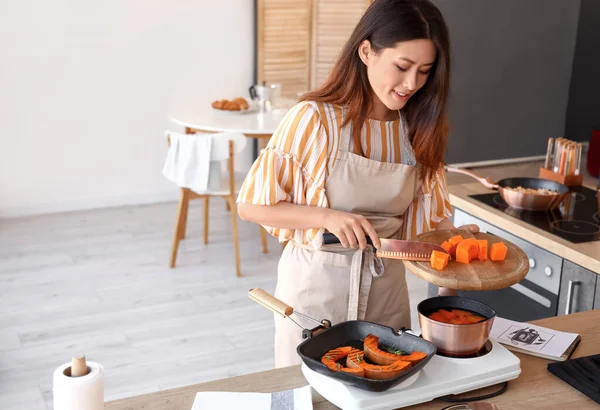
{"type": "Point", "coordinates": [508, 189]}
{"type": "Point", "coordinates": [451, 339]}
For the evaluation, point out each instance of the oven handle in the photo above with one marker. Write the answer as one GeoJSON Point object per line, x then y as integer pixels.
{"type": "Point", "coordinates": [531, 294]}
{"type": "Point", "coordinates": [572, 284]}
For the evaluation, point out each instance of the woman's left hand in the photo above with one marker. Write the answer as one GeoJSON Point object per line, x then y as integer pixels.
{"type": "Point", "coordinates": [446, 225]}
{"type": "Point", "coordinates": [470, 227]}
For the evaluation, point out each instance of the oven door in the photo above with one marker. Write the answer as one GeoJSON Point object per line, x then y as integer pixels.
{"type": "Point", "coordinates": [522, 302]}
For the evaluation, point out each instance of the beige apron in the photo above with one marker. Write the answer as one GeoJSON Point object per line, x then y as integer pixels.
{"type": "Point", "coordinates": [347, 284]}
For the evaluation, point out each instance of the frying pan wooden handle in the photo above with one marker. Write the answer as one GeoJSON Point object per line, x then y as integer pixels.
{"type": "Point", "coordinates": [270, 302]}
{"type": "Point", "coordinates": [487, 182]}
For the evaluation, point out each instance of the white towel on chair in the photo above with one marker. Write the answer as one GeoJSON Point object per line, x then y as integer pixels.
{"type": "Point", "coordinates": [188, 160]}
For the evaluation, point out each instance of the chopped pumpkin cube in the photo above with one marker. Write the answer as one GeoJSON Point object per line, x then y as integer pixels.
{"type": "Point", "coordinates": [446, 245]}
{"type": "Point", "coordinates": [483, 249]}
{"type": "Point", "coordinates": [437, 316]}
{"type": "Point", "coordinates": [455, 240]}
{"type": "Point", "coordinates": [498, 251]}
{"type": "Point", "coordinates": [439, 260]}
{"type": "Point", "coordinates": [474, 248]}
{"type": "Point", "coordinates": [464, 250]}
{"type": "Point", "coordinates": [449, 315]}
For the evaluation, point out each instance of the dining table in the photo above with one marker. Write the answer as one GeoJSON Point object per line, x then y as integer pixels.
{"type": "Point", "coordinates": [198, 116]}
{"type": "Point", "coordinates": [254, 123]}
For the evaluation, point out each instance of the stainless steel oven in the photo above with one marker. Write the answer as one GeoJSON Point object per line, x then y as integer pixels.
{"type": "Point", "coordinates": [536, 296]}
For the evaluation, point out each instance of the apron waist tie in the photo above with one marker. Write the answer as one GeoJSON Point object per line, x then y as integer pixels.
{"type": "Point", "coordinates": [360, 285]}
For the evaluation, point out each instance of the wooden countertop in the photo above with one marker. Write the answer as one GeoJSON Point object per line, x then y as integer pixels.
{"type": "Point", "coordinates": [536, 388]}
{"type": "Point", "coordinates": [583, 254]}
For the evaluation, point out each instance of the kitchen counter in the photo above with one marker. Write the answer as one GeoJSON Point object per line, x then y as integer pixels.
{"type": "Point", "coordinates": [586, 254]}
{"type": "Point", "coordinates": [536, 388]}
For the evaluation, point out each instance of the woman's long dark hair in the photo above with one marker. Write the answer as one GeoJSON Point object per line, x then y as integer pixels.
{"type": "Point", "coordinates": [384, 24]}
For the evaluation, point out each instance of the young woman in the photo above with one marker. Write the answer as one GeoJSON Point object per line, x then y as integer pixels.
{"type": "Point", "coordinates": [361, 156]}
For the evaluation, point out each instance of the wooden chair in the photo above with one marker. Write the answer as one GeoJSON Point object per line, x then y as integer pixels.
{"type": "Point", "coordinates": [224, 146]}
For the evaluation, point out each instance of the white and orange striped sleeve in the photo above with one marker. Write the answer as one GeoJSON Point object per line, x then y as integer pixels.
{"type": "Point", "coordinates": [430, 207]}
{"type": "Point", "coordinates": [291, 168]}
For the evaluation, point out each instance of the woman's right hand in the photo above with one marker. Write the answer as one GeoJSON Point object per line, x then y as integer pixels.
{"type": "Point", "coordinates": [351, 229]}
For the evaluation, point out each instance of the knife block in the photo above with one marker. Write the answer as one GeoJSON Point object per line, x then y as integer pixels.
{"type": "Point", "coordinates": [569, 180]}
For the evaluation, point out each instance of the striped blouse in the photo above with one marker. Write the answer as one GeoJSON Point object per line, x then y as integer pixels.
{"type": "Point", "coordinates": [301, 154]}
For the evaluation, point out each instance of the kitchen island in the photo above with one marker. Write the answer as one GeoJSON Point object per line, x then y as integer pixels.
{"type": "Point", "coordinates": [536, 388]}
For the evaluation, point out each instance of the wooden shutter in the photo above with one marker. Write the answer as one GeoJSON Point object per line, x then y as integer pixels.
{"type": "Point", "coordinates": [333, 23]}
{"type": "Point", "coordinates": [299, 40]}
{"type": "Point", "coordinates": [283, 47]}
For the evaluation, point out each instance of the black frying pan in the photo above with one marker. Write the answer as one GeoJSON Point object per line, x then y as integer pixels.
{"type": "Point", "coordinates": [353, 332]}
{"type": "Point", "coordinates": [325, 337]}
{"type": "Point", "coordinates": [521, 200]}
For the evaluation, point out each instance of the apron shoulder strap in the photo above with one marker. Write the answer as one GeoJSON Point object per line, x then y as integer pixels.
{"type": "Point", "coordinates": [346, 134]}
{"type": "Point", "coordinates": [407, 152]}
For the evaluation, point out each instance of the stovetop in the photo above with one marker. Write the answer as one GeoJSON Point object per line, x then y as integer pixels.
{"type": "Point", "coordinates": [442, 376]}
{"type": "Point", "coordinates": [576, 219]}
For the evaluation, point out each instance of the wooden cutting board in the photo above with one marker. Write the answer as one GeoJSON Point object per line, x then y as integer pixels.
{"type": "Point", "coordinates": [477, 275]}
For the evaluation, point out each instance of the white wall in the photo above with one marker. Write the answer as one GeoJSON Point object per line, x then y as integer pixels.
{"type": "Point", "coordinates": [85, 89]}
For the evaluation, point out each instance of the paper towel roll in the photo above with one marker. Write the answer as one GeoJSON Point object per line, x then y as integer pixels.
{"type": "Point", "coordinates": [79, 393]}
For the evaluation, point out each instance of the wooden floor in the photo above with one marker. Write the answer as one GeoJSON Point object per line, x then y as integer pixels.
{"type": "Point", "coordinates": [97, 282]}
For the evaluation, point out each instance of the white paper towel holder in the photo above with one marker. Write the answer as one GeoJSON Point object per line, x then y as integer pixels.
{"type": "Point", "coordinates": [78, 385]}
{"type": "Point", "coordinates": [78, 367]}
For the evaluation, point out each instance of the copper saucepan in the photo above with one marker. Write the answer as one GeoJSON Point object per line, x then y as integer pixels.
{"type": "Point", "coordinates": [451, 339]}
{"type": "Point", "coordinates": [521, 200]}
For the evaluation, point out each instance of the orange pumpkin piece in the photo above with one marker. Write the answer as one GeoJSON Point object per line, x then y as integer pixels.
{"type": "Point", "coordinates": [462, 254]}
{"type": "Point", "coordinates": [474, 318]}
{"type": "Point", "coordinates": [454, 241]}
{"type": "Point", "coordinates": [383, 358]}
{"type": "Point", "coordinates": [414, 357]}
{"type": "Point", "coordinates": [483, 249]}
{"type": "Point", "coordinates": [360, 372]}
{"type": "Point", "coordinates": [446, 245]}
{"type": "Point", "coordinates": [465, 252]}
{"type": "Point", "coordinates": [438, 317]}
{"type": "Point", "coordinates": [498, 251]}
{"type": "Point", "coordinates": [467, 316]}
{"type": "Point", "coordinates": [439, 260]}
{"type": "Point", "coordinates": [474, 248]}
{"type": "Point", "coordinates": [449, 315]}
{"type": "Point", "coordinates": [375, 354]}
{"type": "Point", "coordinates": [375, 371]}
{"type": "Point", "coordinates": [456, 317]}
{"type": "Point", "coordinates": [330, 359]}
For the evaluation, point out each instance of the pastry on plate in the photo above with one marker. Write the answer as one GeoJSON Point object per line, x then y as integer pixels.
{"type": "Point", "coordinates": [237, 104]}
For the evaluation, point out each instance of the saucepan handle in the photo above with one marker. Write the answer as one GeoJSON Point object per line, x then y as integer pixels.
{"type": "Point", "coordinates": [270, 302]}
{"type": "Point", "coordinates": [487, 182]}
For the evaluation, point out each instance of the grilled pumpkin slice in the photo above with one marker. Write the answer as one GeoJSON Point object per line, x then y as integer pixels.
{"type": "Point", "coordinates": [381, 357]}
